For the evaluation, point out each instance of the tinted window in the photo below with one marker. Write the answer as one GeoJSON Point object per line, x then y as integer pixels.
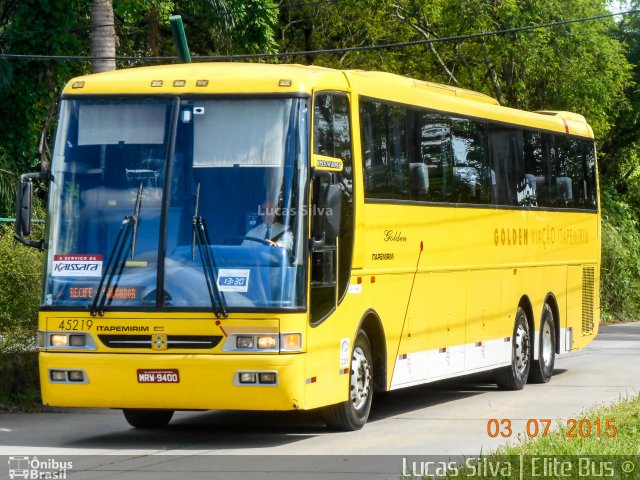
{"type": "Point", "coordinates": [416, 154]}
{"type": "Point", "coordinates": [574, 173]}
{"type": "Point", "coordinates": [507, 166]}
{"type": "Point", "coordinates": [434, 152]}
{"type": "Point", "coordinates": [471, 173]}
{"type": "Point", "coordinates": [384, 150]}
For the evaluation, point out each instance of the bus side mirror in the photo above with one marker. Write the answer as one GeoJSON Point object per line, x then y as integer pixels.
{"type": "Point", "coordinates": [24, 208]}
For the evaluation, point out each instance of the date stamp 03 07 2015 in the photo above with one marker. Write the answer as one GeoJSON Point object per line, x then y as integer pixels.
{"type": "Point", "coordinates": [573, 428]}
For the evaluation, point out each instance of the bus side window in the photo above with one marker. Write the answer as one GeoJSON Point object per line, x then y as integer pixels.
{"type": "Point", "coordinates": [384, 150]}
{"type": "Point", "coordinates": [506, 147]}
{"type": "Point", "coordinates": [471, 176]}
{"type": "Point", "coordinates": [567, 176]}
{"type": "Point", "coordinates": [576, 172]}
{"type": "Point", "coordinates": [589, 169]}
{"type": "Point", "coordinates": [534, 168]}
{"type": "Point", "coordinates": [434, 151]}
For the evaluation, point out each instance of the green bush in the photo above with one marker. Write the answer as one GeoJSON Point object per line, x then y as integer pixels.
{"type": "Point", "coordinates": [20, 289]}
{"type": "Point", "coordinates": [620, 272]}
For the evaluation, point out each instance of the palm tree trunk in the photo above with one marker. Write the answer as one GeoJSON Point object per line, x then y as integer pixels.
{"type": "Point", "coordinates": [103, 36]}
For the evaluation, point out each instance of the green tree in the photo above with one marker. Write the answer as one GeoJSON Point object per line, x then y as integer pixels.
{"type": "Point", "coordinates": [29, 90]}
{"type": "Point", "coordinates": [579, 67]}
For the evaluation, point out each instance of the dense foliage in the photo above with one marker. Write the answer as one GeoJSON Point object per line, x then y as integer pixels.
{"type": "Point", "coordinates": [588, 67]}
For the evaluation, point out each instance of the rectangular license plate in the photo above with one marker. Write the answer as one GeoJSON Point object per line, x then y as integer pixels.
{"type": "Point", "coordinates": [158, 376]}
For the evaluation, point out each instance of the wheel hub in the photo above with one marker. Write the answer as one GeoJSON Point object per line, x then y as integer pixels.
{"type": "Point", "coordinates": [547, 344]}
{"type": "Point", "coordinates": [522, 349]}
{"type": "Point", "coordinates": [360, 378]}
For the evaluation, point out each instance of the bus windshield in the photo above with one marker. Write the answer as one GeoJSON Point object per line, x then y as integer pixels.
{"type": "Point", "coordinates": [235, 167]}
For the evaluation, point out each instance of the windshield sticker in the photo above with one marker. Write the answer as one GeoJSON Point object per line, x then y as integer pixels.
{"type": "Point", "coordinates": [77, 266]}
{"type": "Point", "coordinates": [233, 280]}
{"type": "Point", "coordinates": [344, 352]}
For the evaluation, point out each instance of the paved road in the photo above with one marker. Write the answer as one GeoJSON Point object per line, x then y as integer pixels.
{"type": "Point", "coordinates": [448, 418]}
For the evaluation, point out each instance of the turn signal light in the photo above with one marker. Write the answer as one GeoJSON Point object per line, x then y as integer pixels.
{"type": "Point", "coordinates": [291, 342]}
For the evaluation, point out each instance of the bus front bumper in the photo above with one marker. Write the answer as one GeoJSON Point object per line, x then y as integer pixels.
{"type": "Point", "coordinates": [171, 381]}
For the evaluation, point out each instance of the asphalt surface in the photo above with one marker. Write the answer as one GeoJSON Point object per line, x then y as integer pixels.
{"type": "Point", "coordinates": [448, 419]}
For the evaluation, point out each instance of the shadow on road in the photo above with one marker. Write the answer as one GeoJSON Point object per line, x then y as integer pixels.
{"type": "Point", "coordinates": [229, 430]}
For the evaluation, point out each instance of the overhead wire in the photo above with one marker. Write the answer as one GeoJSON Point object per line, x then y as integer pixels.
{"type": "Point", "coordinates": [365, 48]}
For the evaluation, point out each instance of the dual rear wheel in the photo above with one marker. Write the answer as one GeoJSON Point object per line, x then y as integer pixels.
{"type": "Point", "coordinates": [523, 367]}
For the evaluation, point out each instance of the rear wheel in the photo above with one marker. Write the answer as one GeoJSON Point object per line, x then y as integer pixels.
{"type": "Point", "coordinates": [353, 414]}
{"type": "Point", "coordinates": [514, 376]}
{"type": "Point", "coordinates": [542, 369]}
{"type": "Point", "coordinates": [148, 419]}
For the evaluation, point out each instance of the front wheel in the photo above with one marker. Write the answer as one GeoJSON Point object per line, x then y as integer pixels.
{"type": "Point", "coordinates": [353, 414]}
{"type": "Point", "coordinates": [148, 419]}
{"type": "Point", "coordinates": [542, 369]}
{"type": "Point", "coordinates": [514, 376]}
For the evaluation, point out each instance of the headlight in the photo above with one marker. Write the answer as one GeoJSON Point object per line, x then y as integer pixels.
{"type": "Point", "coordinates": [247, 377]}
{"type": "Point", "coordinates": [245, 343]}
{"type": "Point", "coordinates": [59, 340]}
{"type": "Point", "coordinates": [266, 342]}
{"type": "Point", "coordinates": [77, 340]}
{"type": "Point", "coordinates": [71, 341]}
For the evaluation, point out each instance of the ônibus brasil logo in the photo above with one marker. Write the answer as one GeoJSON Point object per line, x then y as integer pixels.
{"type": "Point", "coordinates": [34, 468]}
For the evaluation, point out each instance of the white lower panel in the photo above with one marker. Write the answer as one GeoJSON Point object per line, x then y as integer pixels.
{"type": "Point", "coordinates": [431, 365]}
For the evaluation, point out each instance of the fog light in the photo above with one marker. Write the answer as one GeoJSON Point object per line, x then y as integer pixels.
{"type": "Point", "coordinates": [59, 340]}
{"type": "Point", "coordinates": [245, 342]}
{"type": "Point", "coordinates": [291, 342]}
{"type": "Point", "coordinates": [58, 375]}
{"type": "Point", "coordinates": [76, 376]}
{"type": "Point", "coordinates": [268, 377]}
{"type": "Point", "coordinates": [77, 340]}
{"type": "Point", "coordinates": [247, 377]}
{"type": "Point", "coordinates": [267, 342]}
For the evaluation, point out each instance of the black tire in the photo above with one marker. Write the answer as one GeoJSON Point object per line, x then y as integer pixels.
{"type": "Point", "coordinates": [542, 369]}
{"type": "Point", "coordinates": [148, 419]}
{"type": "Point", "coordinates": [514, 376]}
{"type": "Point", "coordinates": [353, 414]}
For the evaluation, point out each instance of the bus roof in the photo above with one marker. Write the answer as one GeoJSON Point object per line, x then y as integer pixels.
{"type": "Point", "coordinates": [243, 78]}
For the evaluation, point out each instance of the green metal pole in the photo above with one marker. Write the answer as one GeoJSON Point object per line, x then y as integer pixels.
{"type": "Point", "coordinates": [179, 38]}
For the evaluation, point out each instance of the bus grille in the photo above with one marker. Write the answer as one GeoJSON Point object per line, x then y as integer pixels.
{"type": "Point", "coordinates": [202, 342]}
{"type": "Point", "coordinates": [587, 300]}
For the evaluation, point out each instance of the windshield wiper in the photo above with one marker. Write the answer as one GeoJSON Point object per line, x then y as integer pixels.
{"type": "Point", "coordinates": [117, 261]}
{"type": "Point", "coordinates": [201, 237]}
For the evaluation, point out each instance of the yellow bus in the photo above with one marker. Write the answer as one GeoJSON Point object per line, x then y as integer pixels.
{"type": "Point", "coordinates": [284, 237]}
